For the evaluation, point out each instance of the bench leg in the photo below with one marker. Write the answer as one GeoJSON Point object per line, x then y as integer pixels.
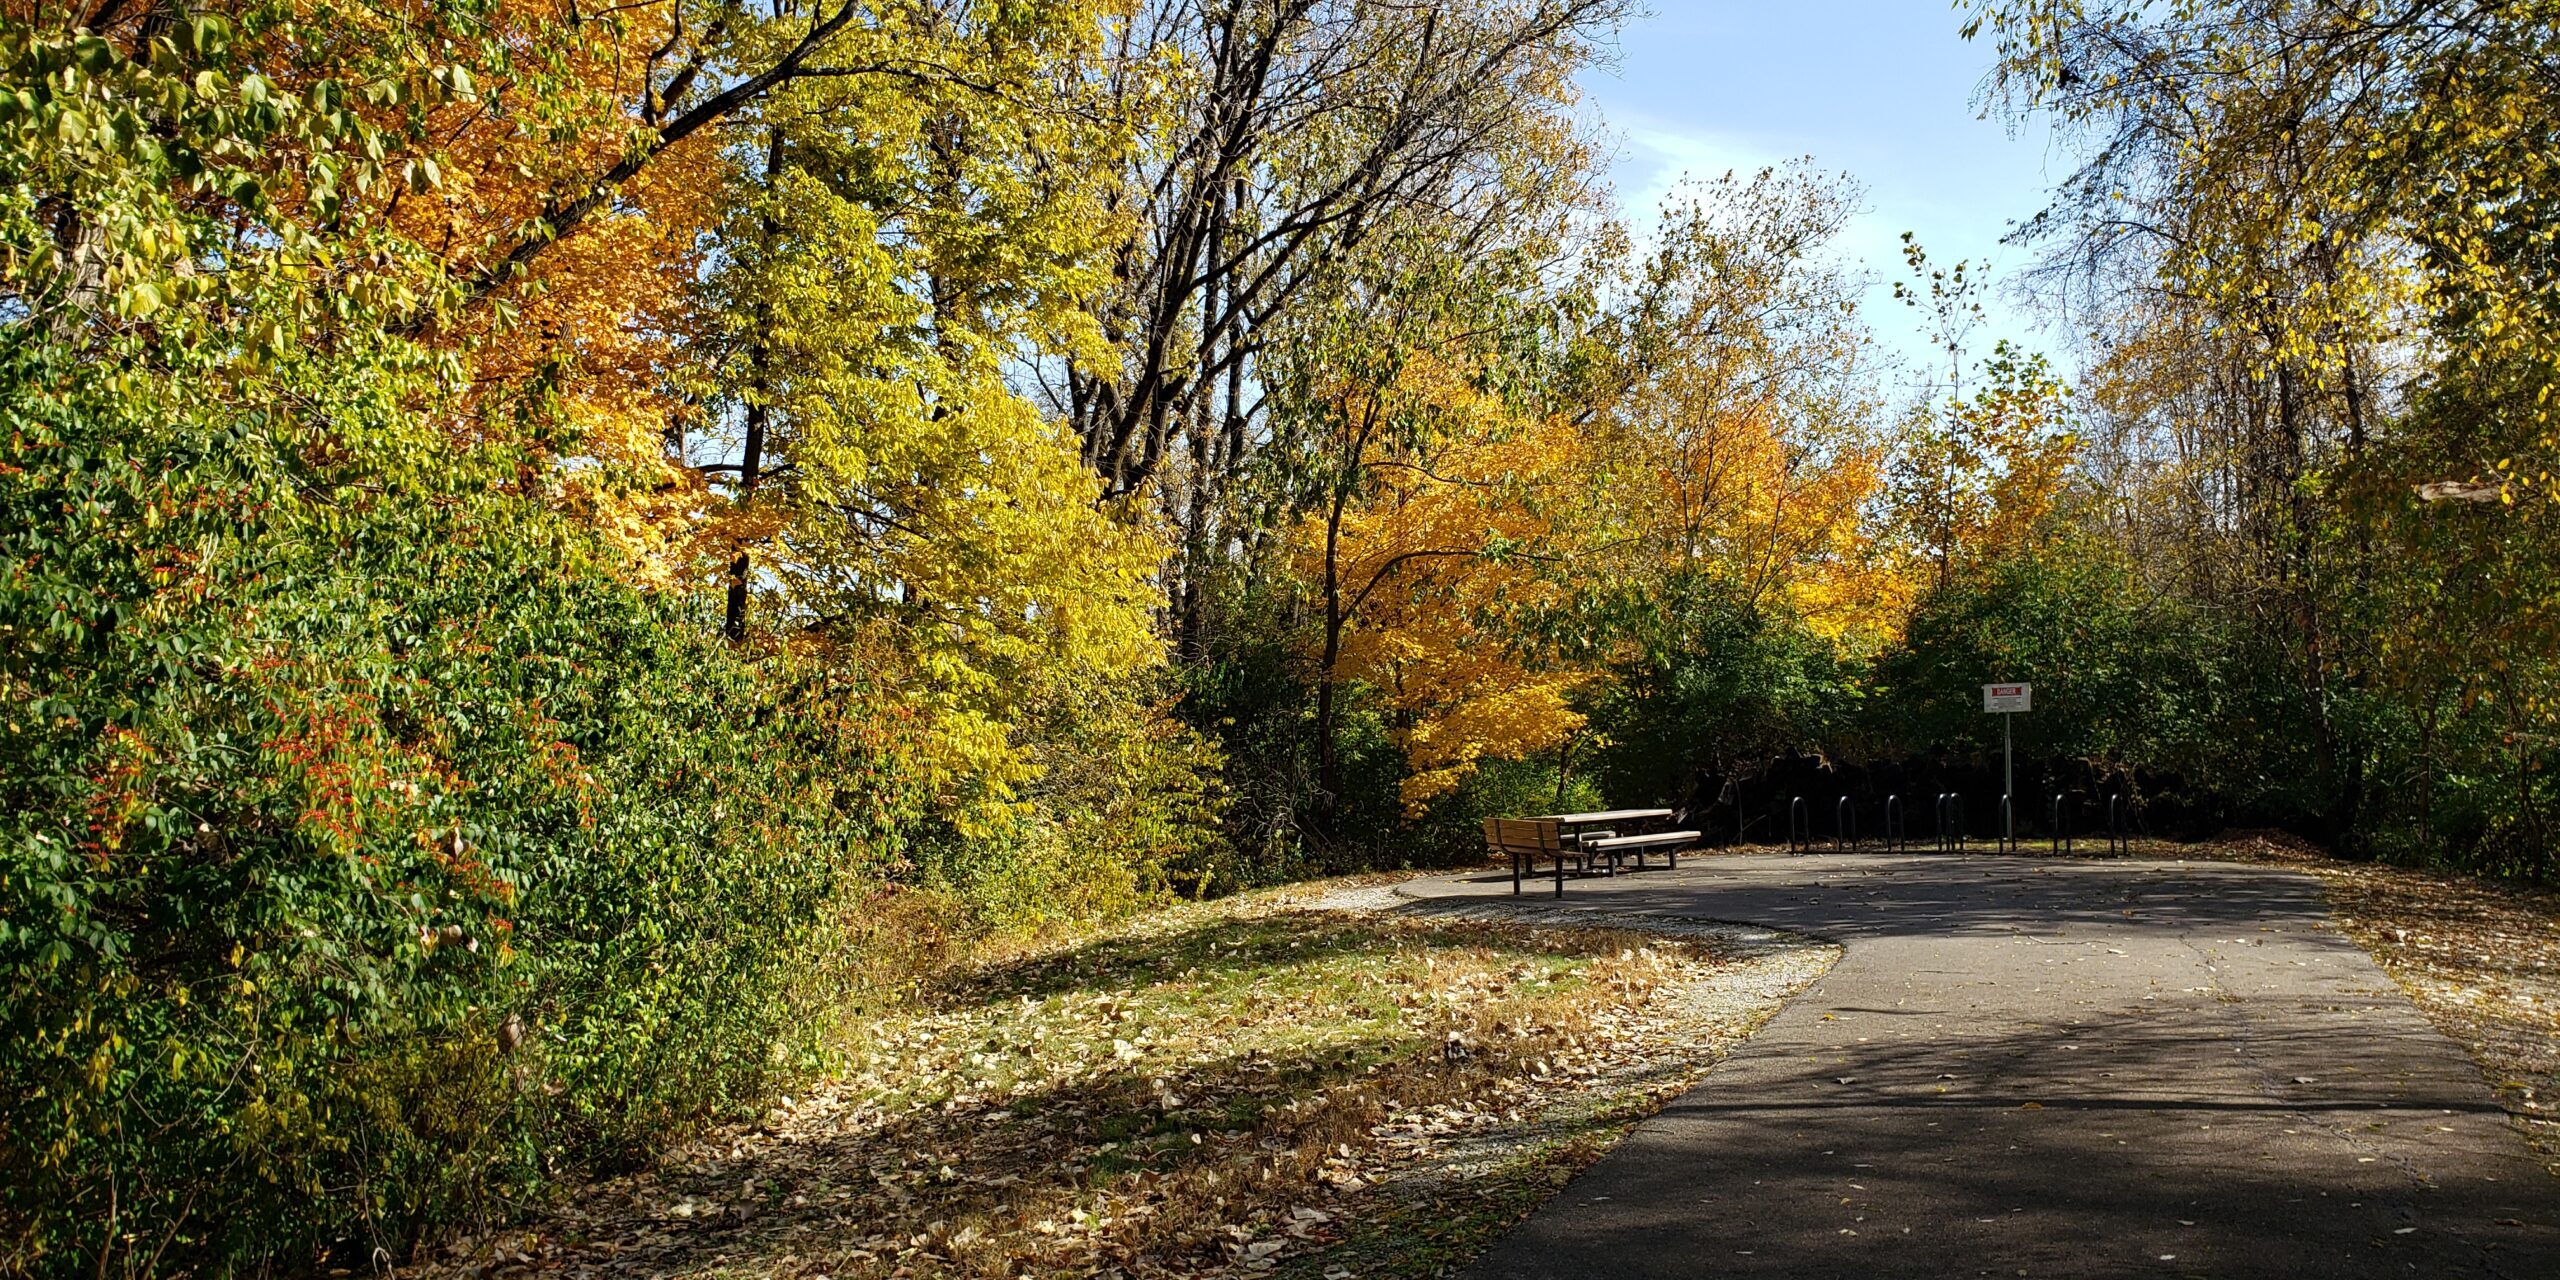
{"type": "Point", "coordinates": [1515, 873]}
{"type": "Point", "coordinates": [1673, 857]}
{"type": "Point", "coordinates": [1559, 874]}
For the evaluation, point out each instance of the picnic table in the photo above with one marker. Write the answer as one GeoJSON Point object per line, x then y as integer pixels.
{"type": "Point", "coordinates": [1584, 838]}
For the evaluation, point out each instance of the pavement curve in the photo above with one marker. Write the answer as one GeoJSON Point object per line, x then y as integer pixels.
{"type": "Point", "coordinates": [2028, 1067]}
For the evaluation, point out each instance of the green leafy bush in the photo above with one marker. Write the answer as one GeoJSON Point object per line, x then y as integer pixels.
{"type": "Point", "coordinates": [2121, 674]}
{"type": "Point", "coordinates": [370, 848]}
{"type": "Point", "coordinates": [1714, 677]}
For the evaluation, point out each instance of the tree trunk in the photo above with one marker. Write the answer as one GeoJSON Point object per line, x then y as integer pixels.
{"type": "Point", "coordinates": [733, 622]}
{"type": "Point", "coordinates": [750, 469]}
{"type": "Point", "coordinates": [1328, 756]}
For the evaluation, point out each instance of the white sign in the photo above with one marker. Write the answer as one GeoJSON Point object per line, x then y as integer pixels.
{"type": "Point", "coordinates": [2006, 697]}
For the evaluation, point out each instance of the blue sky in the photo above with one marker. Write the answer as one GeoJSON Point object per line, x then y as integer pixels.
{"type": "Point", "coordinates": [1881, 89]}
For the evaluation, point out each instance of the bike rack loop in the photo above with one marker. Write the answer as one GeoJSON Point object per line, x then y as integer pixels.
{"type": "Point", "coordinates": [1844, 824]}
{"type": "Point", "coordinates": [1799, 827]}
{"type": "Point", "coordinates": [1897, 829]}
{"type": "Point", "coordinates": [2060, 838]}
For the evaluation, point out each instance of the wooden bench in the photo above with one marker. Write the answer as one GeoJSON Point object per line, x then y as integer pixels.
{"type": "Point", "coordinates": [1670, 842]}
{"type": "Point", "coordinates": [1525, 840]}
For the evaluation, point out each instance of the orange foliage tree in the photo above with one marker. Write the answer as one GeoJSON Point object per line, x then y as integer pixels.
{"type": "Point", "coordinates": [1502, 518]}
{"type": "Point", "coordinates": [1449, 537]}
{"type": "Point", "coordinates": [1977, 472]}
{"type": "Point", "coordinates": [1744, 421]}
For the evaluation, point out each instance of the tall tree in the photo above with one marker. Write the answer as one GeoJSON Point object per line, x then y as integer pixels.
{"type": "Point", "coordinates": [1286, 136]}
{"type": "Point", "coordinates": [891, 243]}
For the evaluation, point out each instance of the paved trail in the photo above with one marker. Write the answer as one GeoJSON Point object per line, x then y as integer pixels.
{"type": "Point", "coordinates": [2027, 1068]}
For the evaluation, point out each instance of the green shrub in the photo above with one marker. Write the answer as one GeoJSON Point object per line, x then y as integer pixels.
{"type": "Point", "coordinates": [1715, 676]}
{"type": "Point", "coordinates": [1125, 797]}
{"type": "Point", "coordinates": [371, 851]}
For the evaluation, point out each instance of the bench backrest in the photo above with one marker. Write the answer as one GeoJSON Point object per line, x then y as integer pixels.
{"type": "Point", "coordinates": [1523, 835]}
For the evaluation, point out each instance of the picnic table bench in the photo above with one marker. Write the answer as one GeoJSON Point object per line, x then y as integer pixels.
{"type": "Point", "coordinates": [1669, 842]}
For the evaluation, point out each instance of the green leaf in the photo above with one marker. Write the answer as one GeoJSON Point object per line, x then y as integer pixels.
{"type": "Point", "coordinates": [209, 35]}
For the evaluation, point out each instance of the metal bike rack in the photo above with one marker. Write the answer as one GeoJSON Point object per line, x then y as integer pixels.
{"type": "Point", "coordinates": [1950, 822]}
{"type": "Point", "coordinates": [1897, 829]}
{"type": "Point", "coordinates": [2119, 831]}
{"type": "Point", "coordinates": [2008, 825]}
{"type": "Point", "coordinates": [1799, 827]}
{"type": "Point", "coordinates": [1844, 824]}
{"type": "Point", "coordinates": [2061, 836]}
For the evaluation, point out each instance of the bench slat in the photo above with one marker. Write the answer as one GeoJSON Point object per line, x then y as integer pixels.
{"type": "Point", "coordinates": [1646, 841]}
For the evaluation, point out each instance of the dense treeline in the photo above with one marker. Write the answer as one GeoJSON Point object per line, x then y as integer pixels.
{"type": "Point", "coordinates": [555, 553]}
{"type": "Point", "coordinates": [2314, 244]}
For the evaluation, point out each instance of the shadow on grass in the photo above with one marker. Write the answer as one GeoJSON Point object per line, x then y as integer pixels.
{"type": "Point", "coordinates": [1230, 951]}
{"type": "Point", "coordinates": [1210, 951]}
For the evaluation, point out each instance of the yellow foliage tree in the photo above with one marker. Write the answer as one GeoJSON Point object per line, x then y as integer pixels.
{"type": "Point", "coordinates": [1976, 476]}
{"type": "Point", "coordinates": [1977, 473]}
{"type": "Point", "coordinates": [743, 291]}
{"type": "Point", "coordinates": [885, 491]}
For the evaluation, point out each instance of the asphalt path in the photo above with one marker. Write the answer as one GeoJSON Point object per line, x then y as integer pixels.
{"type": "Point", "coordinates": [2026, 1067]}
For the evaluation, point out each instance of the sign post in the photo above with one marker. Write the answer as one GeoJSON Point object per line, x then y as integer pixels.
{"type": "Point", "coordinates": [2008, 700]}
